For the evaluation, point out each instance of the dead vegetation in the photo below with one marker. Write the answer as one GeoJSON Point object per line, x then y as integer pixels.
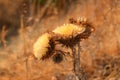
{"type": "Point", "coordinates": [99, 58]}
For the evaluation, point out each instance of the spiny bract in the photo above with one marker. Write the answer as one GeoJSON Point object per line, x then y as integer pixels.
{"type": "Point", "coordinates": [68, 30]}
{"type": "Point", "coordinates": [41, 45]}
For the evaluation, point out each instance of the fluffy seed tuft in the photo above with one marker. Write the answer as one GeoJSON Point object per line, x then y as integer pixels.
{"type": "Point", "coordinates": [43, 46]}
{"type": "Point", "coordinates": [68, 30]}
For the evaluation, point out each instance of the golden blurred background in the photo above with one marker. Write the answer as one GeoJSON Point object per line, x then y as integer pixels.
{"type": "Point", "coordinates": [23, 21]}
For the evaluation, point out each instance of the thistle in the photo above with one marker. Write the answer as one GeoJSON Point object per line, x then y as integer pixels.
{"type": "Point", "coordinates": [44, 46]}
{"type": "Point", "coordinates": [70, 34]}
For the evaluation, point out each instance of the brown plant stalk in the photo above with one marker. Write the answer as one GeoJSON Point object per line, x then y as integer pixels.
{"type": "Point", "coordinates": [3, 36]}
{"type": "Point", "coordinates": [24, 46]}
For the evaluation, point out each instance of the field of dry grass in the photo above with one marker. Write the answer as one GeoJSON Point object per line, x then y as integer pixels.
{"type": "Point", "coordinates": [100, 54]}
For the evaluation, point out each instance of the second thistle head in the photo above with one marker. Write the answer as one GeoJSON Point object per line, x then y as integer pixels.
{"type": "Point", "coordinates": [44, 46]}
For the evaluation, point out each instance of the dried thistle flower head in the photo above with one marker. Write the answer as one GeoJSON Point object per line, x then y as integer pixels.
{"type": "Point", "coordinates": [68, 30]}
{"type": "Point", "coordinates": [72, 33]}
{"type": "Point", "coordinates": [88, 27]}
{"type": "Point", "coordinates": [68, 35]}
{"type": "Point", "coordinates": [82, 21]}
{"type": "Point", "coordinates": [44, 46]}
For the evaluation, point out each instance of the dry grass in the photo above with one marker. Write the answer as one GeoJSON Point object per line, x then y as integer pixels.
{"type": "Point", "coordinates": [98, 53]}
{"type": "Point", "coordinates": [3, 36]}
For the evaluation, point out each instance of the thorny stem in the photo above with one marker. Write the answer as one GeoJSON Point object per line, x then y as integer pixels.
{"type": "Point", "coordinates": [73, 53]}
{"type": "Point", "coordinates": [83, 77]}
{"type": "Point", "coordinates": [78, 57]}
{"type": "Point", "coordinates": [76, 64]}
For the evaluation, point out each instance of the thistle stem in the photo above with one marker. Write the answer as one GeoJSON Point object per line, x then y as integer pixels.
{"type": "Point", "coordinates": [76, 66]}
{"type": "Point", "coordinates": [78, 57]}
{"type": "Point", "coordinates": [76, 63]}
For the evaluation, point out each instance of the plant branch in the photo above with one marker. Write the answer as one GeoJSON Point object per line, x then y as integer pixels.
{"type": "Point", "coordinates": [78, 72]}
{"type": "Point", "coordinates": [76, 65]}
